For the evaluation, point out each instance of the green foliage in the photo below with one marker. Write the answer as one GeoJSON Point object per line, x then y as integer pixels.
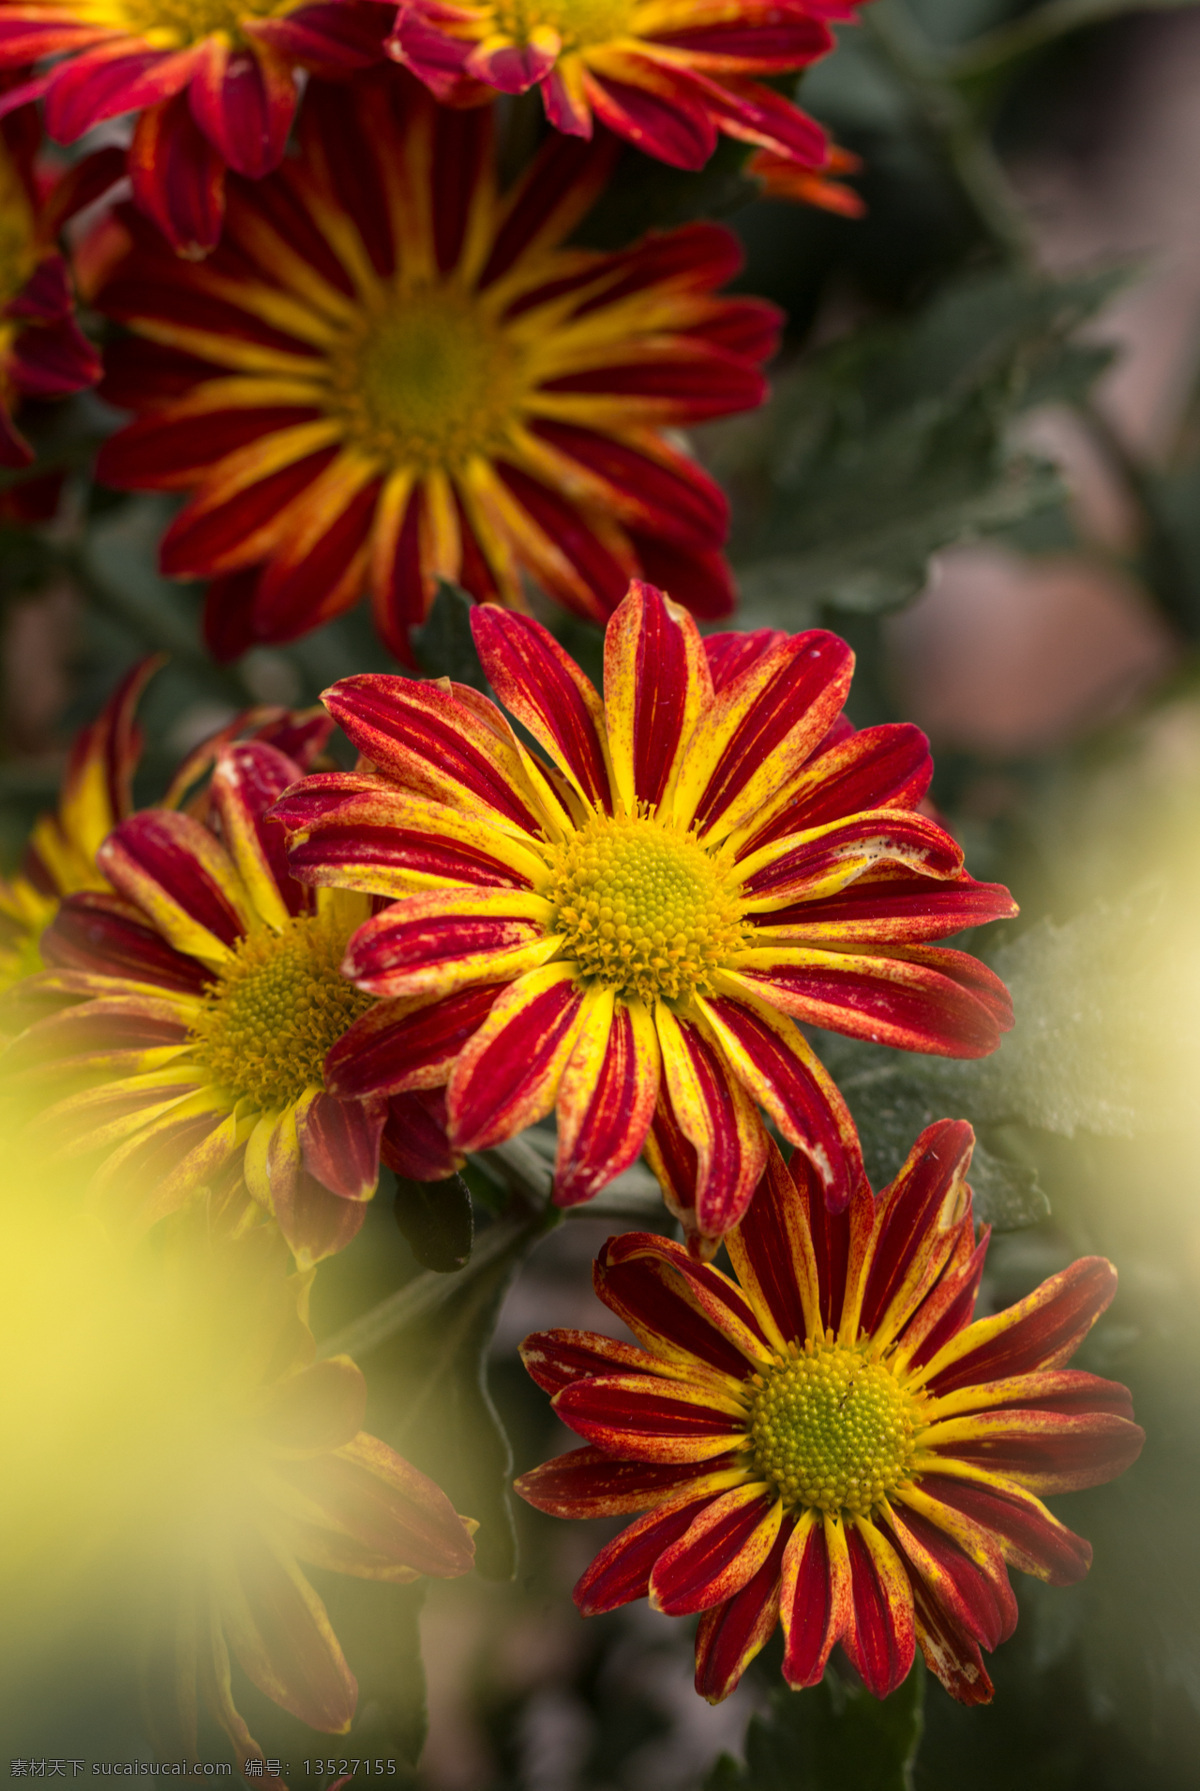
{"type": "Point", "coordinates": [835, 1737]}
{"type": "Point", "coordinates": [881, 450]}
{"type": "Point", "coordinates": [445, 646]}
{"type": "Point", "coordinates": [437, 1221]}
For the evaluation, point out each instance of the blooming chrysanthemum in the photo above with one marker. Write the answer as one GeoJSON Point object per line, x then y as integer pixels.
{"type": "Point", "coordinates": [61, 858]}
{"type": "Point", "coordinates": [827, 1440]}
{"type": "Point", "coordinates": [43, 352]}
{"type": "Point", "coordinates": [189, 1017]}
{"type": "Point", "coordinates": [223, 1462]}
{"type": "Point", "coordinates": [631, 933]}
{"type": "Point", "coordinates": [213, 83]}
{"type": "Point", "coordinates": [669, 76]}
{"type": "Point", "coordinates": [390, 373]}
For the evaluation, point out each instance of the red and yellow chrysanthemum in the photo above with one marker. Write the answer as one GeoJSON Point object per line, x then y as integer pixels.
{"type": "Point", "coordinates": [43, 352]}
{"type": "Point", "coordinates": [63, 852]}
{"type": "Point", "coordinates": [213, 82]}
{"type": "Point", "coordinates": [180, 1030]}
{"type": "Point", "coordinates": [631, 932]}
{"type": "Point", "coordinates": [825, 1439]}
{"type": "Point", "coordinates": [223, 1463]}
{"type": "Point", "coordinates": [669, 76]}
{"type": "Point", "coordinates": [390, 373]}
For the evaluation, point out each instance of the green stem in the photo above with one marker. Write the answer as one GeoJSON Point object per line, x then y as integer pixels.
{"type": "Point", "coordinates": [948, 119]}
{"type": "Point", "coordinates": [1044, 25]}
{"type": "Point", "coordinates": [529, 1214]}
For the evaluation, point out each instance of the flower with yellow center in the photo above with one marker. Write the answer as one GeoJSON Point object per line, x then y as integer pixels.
{"type": "Point", "coordinates": [824, 1438]}
{"type": "Point", "coordinates": [224, 1462]}
{"type": "Point", "coordinates": [669, 76]}
{"type": "Point", "coordinates": [61, 858]}
{"type": "Point", "coordinates": [629, 932]}
{"type": "Point", "coordinates": [192, 1010]}
{"type": "Point", "coordinates": [213, 84]}
{"type": "Point", "coordinates": [393, 372]}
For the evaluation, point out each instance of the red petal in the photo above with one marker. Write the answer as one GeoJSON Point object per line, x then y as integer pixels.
{"type": "Point", "coordinates": [590, 1483]}
{"type": "Point", "coordinates": [178, 177]}
{"type": "Point", "coordinates": [728, 1638]}
{"type": "Point", "coordinates": [1042, 1331]}
{"type": "Point", "coordinates": [721, 1551]}
{"type": "Point", "coordinates": [401, 1045]}
{"type": "Point", "coordinates": [544, 688]}
{"type": "Point", "coordinates": [621, 1572]}
{"type": "Point", "coordinates": [649, 1419]}
{"type": "Point", "coordinates": [340, 1141]}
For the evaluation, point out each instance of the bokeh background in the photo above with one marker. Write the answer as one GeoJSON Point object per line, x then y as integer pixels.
{"type": "Point", "coordinates": [981, 464]}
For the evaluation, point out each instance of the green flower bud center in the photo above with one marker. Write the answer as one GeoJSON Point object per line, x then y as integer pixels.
{"type": "Point", "coordinates": [274, 1011]}
{"type": "Point", "coordinates": [831, 1428]}
{"type": "Point", "coordinates": [643, 908]}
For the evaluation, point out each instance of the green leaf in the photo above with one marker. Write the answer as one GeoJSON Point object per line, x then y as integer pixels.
{"type": "Point", "coordinates": [444, 644]}
{"type": "Point", "coordinates": [893, 1099]}
{"type": "Point", "coordinates": [834, 1737]}
{"type": "Point", "coordinates": [428, 1392]}
{"type": "Point", "coordinates": [880, 451]}
{"type": "Point", "coordinates": [437, 1221]}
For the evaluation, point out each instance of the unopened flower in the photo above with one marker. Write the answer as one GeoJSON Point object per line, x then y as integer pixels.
{"type": "Point", "coordinates": [631, 932]}
{"type": "Point", "coordinates": [392, 372]}
{"type": "Point", "coordinates": [189, 1016]}
{"type": "Point", "coordinates": [212, 82]}
{"type": "Point", "coordinates": [668, 77]}
{"type": "Point", "coordinates": [825, 1439]}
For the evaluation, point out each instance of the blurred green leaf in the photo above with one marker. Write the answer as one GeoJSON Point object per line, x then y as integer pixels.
{"type": "Point", "coordinates": [437, 1221]}
{"type": "Point", "coordinates": [428, 1392]}
{"type": "Point", "coordinates": [881, 450]}
{"type": "Point", "coordinates": [835, 1737]}
{"type": "Point", "coordinates": [894, 1098]}
{"type": "Point", "coordinates": [444, 644]}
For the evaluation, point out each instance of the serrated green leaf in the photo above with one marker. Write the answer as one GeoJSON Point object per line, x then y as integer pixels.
{"type": "Point", "coordinates": [894, 1098]}
{"type": "Point", "coordinates": [444, 644]}
{"type": "Point", "coordinates": [437, 1221]}
{"type": "Point", "coordinates": [880, 451]}
{"type": "Point", "coordinates": [834, 1737]}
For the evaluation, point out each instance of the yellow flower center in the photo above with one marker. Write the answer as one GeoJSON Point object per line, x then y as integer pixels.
{"type": "Point", "coordinates": [580, 23]}
{"type": "Point", "coordinates": [645, 909]}
{"type": "Point", "coordinates": [174, 24]}
{"type": "Point", "coordinates": [431, 383]}
{"type": "Point", "coordinates": [831, 1428]}
{"type": "Point", "coordinates": [274, 1011]}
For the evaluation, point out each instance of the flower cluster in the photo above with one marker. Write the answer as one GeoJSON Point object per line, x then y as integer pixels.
{"type": "Point", "coordinates": [364, 335]}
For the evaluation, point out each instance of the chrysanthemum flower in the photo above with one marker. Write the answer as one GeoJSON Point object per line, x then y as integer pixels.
{"type": "Point", "coordinates": [390, 373]}
{"type": "Point", "coordinates": [223, 1463]}
{"type": "Point", "coordinates": [189, 1017]}
{"type": "Point", "coordinates": [43, 352]}
{"type": "Point", "coordinates": [631, 933]}
{"type": "Point", "coordinates": [61, 858]}
{"type": "Point", "coordinates": [669, 76]}
{"type": "Point", "coordinates": [827, 1440]}
{"type": "Point", "coordinates": [213, 83]}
